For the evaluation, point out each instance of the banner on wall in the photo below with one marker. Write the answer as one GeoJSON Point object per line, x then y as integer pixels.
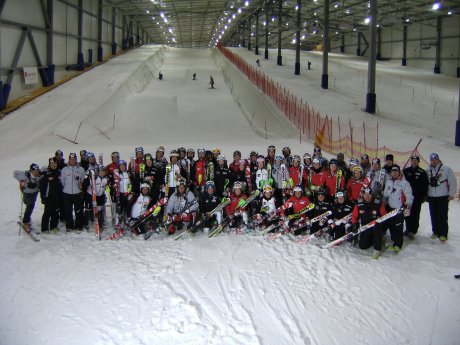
{"type": "Point", "coordinates": [30, 75]}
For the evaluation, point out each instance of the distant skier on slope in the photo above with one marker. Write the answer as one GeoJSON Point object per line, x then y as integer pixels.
{"type": "Point", "coordinates": [211, 82]}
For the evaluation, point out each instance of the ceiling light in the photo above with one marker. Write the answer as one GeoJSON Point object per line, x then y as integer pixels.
{"type": "Point", "coordinates": [367, 20]}
{"type": "Point", "coordinates": [296, 7]}
{"type": "Point", "coordinates": [239, 10]}
{"type": "Point", "coordinates": [147, 11]}
{"type": "Point", "coordinates": [162, 15]}
{"type": "Point", "coordinates": [436, 6]}
{"type": "Point", "coordinates": [246, 3]}
{"type": "Point", "coordinates": [234, 16]}
{"type": "Point", "coordinates": [450, 12]}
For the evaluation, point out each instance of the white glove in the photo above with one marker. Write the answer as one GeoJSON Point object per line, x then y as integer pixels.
{"type": "Point", "coordinates": [406, 212]}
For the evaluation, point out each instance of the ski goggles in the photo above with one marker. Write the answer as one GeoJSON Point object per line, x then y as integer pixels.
{"type": "Point", "coordinates": [340, 194]}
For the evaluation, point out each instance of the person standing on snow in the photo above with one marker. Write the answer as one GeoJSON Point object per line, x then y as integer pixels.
{"type": "Point", "coordinates": [29, 185]}
{"type": "Point", "coordinates": [418, 180]}
{"type": "Point", "coordinates": [51, 196]}
{"type": "Point", "coordinates": [441, 190]}
{"type": "Point", "coordinates": [72, 179]}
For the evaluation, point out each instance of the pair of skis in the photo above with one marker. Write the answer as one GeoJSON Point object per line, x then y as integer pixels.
{"type": "Point", "coordinates": [153, 211]}
{"type": "Point", "coordinates": [363, 228]}
{"type": "Point", "coordinates": [218, 208]}
{"type": "Point", "coordinates": [323, 230]}
{"type": "Point", "coordinates": [243, 203]}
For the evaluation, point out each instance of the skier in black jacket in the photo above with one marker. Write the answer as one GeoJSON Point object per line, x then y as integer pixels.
{"type": "Point", "coordinates": [418, 180]}
{"type": "Point", "coordinates": [51, 196]}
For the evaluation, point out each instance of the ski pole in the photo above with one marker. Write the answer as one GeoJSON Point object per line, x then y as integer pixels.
{"type": "Point", "coordinates": [20, 214]}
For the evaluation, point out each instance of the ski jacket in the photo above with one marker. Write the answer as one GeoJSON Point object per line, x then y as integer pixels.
{"type": "Point", "coordinates": [318, 177]}
{"type": "Point", "coordinates": [234, 167]}
{"type": "Point", "coordinates": [174, 175]}
{"type": "Point", "coordinates": [377, 181]}
{"type": "Point", "coordinates": [354, 188]}
{"type": "Point", "coordinates": [125, 183]}
{"type": "Point", "coordinates": [137, 164]}
{"type": "Point", "coordinates": [322, 207]}
{"type": "Point", "coordinates": [32, 184]}
{"type": "Point", "coordinates": [50, 186]}
{"type": "Point", "coordinates": [261, 175]}
{"type": "Point", "coordinates": [298, 204]}
{"type": "Point", "coordinates": [72, 179]}
{"type": "Point", "coordinates": [442, 181]}
{"type": "Point", "coordinates": [268, 206]}
{"type": "Point", "coordinates": [278, 176]}
{"type": "Point", "coordinates": [398, 193]}
{"type": "Point", "coordinates": [177, 201]}
{"type": "Point", "coordinates": [330, 180]}
{"type": "Point", "coordinates": [220, 177]}
{"type": "Point", "coordinates": [240, 176]}
{"type": "Point", "coordinates": [200, 172]}
{"type": "Point", "coordinates": [295, 178]}
{"type": "Point", "coordinates": [140, 206]}
{"type": "Point", "coordinates": [341, 210]}
{"type": "Point", "coordinates": [208, 202]}
{"type": "Point", "coordinates": [109, 169]}
{"type": "Point", "coordinates": [234, 201]}
{"type": "Point", "coordinates": [418, 180]}
{"type": "Point", "coordinates": [365, 212]}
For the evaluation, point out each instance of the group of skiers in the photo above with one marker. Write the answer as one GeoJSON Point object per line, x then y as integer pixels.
{"type": "Point", "coordinates": [293, 190]}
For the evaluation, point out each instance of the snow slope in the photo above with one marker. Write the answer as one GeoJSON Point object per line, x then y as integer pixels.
{"type": "Point", "coordinates": [235, 289]}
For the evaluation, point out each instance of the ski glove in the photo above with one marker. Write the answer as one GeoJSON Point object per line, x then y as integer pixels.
{"type": "Point", "coordinates": [406, 212]}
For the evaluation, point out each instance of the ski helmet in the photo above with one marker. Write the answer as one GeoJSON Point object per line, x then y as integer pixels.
{"type": "Point", "coordinates": [261, 159]}
{"type": "Point", "coordinates": [148, 156]}
{"type": "Point", "coordinates": [174, 153]}
{"type": "Point", "coordinates": [297, 189]}
{"type": "Point", "coordinates": [181, 182]}
{"type": "Point", "coordinates": [237, 184]}
{"type": "Point", "coordinates": [122, 162]}
{"type": "Point", "coordinates": [333, 161]}
{"type": "Point", "coordinates": [321, 191]}
{"type": "Point", "coordinates": [358, 168]}
{"type": "Point", "coordinates": [145, 185]}
{"type": "Point", "coordinates": [316, 160]}
{"type": "Point", "coordinates": [287, 149]}
{"type": "Point", "coordinates": [116, 154]}
{"type": "Point", "coordinates": [201, 151]}
{"type": "Point", "coordinates": [253, 153]}
{"type": "Point", "coordinates": [340, 193]}
{"type": "Point", "coordinates": [307, 156]}
{"type": "Point", "coordinates": [59, 153]}
{"type": "Point", "coordinates": [191, 151]}
{"type": "Point", "coordinates": [210, 184]}
{"type": "Point", "coordinates": [216, 151]}
{"type": "Point", "coordinates": [160, 149]}
{"type": "Point", "coordinates": [89, 154]}
{"type": "Point", "coordinates": [271, 147]}
{"type": "Point", "coordinates": [278, 158]}
{"type": "Point", "coordinates": [34, 166]}
{"type": "Point", "coordinates": [181, 149]}
{"type": "Point", "coordinates": [295, 158]}
{"type": "Point", "coordinates": [268, 188]}
{"type": "Point", "coordinates": [72, 155]}
{"type": "Point", "coordinates": [221, 158]}
{"type": "Point", "coordinates": [376, 161]}
{"type": "Point", "coordinates": [354, 161]}
{"type": "Point", "coordinates": [236, 152]}
{"type": "Point", "coordinates": [366, 190]}
{"type": "Point", "coordinates": [139, 149]}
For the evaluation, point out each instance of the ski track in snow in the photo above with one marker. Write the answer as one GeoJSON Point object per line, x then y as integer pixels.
{"type": "Point", "coordinates": [233, 289]}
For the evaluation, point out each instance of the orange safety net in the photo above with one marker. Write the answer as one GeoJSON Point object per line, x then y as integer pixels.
{"type": "Point", "coordinates": [332, 136]}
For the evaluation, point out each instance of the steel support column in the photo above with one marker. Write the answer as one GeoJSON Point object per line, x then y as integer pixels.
{"type": "Point", "coordinates": [325, 77]}
{"type": "Point", "coordinates": [80, 58]}
{"type": "Point", "coordinates": [371, 96]}
{"type": "Point", "coordinates": [297, 38]}
{"type": "Point", "coordinates": [249, 32]}
{"type": "Point", "coordinates": [342, 45]}
{"type": "Point", "coordinates": [457, 124]}
{"type": "Point", "coordinates": [379, 44]}
{"type": "Point", "coordinates": [279, 59]}
{"type": "Point", "coordinates": [49, 42]}
{"type": "Point", "coordinates": [358, 50]}
{"type": "Point", "coordinates": [114, 38]}
{"type": "Point", "coordinates": [404, 57]}
{"type": "Point", "coordinates": [266, 29]}
{"type": "Point", "coordinates": [437, 66]}
{"type": "Point", "coordinates": [99, 31]}
{"type": "Point", "coordinates": [257, 34]}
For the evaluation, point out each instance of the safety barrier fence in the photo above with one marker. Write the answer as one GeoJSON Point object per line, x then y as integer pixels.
{"type": "Point", "coordinates": [332, 135]}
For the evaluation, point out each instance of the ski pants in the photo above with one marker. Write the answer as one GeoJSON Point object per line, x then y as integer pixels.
{"type": "Point", "coordinates": [29, 200]}
{"type": "Point", "coordinates": [412, 222]}
{"type": "Point", "coordinates": [73, 203]}
{"type": "Point", "coordinates": [50, 218]}
{"type": "Point", "coordinates": [338, 231]}
{"type": "Point", "coordinates": [371, 237]}
{"type": "Point", "coordinates": [243, 216]}
{"type": "Point", "coordinates": [396, 226]}
{"type": "Point", "coordinates": [439, 210]}
{"type": "Point", "coordinates": [88, 209]}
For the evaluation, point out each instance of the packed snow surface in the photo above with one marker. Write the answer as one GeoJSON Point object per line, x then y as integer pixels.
{"type": "Point", "coordinates": [233, 289]}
